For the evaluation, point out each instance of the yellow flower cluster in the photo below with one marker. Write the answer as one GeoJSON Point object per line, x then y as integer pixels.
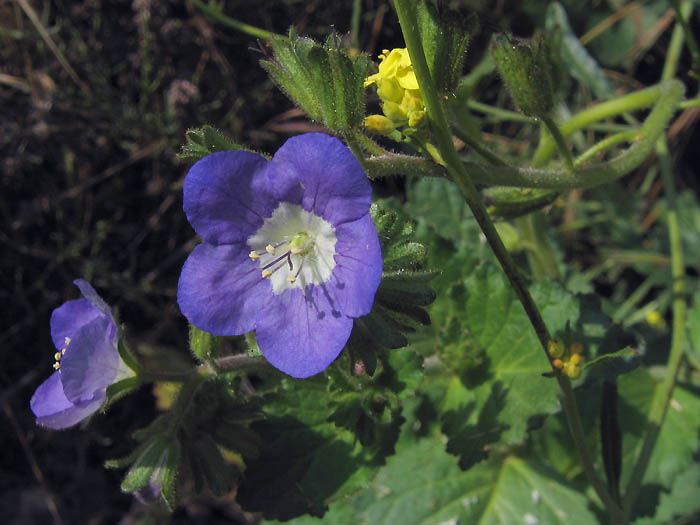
{"type": "Point", "coordinates": [397, 87]}
{"type": "Point", "coordinates": [566, 360]}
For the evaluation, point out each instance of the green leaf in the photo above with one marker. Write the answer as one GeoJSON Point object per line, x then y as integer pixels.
{"type": "Point", "coordinates": [305, 461]}
{"type": "Point", "coordinates": [514, 358]}
{"type": "Point", "coordinates": [439, 203]}
{"type": "Point", "coordinates": [149, 458]}
{"type": "Point", "coordinates": [582, 66]}
{"type": "Point", "coordinates": [682, 500]}
{"type": "Point", "coordinates": [422, 484]}
{"type": "Point", "coordinates": [678, 440]}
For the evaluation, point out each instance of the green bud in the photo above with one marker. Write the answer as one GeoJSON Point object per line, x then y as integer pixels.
{"type": "Point", "coordinates": [525, 68]}
{"type": "Point", "coordinates": [323, 80]}
{"type": "Point", "coordinates": [445, 37]}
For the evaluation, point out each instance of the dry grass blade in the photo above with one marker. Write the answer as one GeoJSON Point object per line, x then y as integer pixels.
{"type": "Point", "coordinates": [31, 14]}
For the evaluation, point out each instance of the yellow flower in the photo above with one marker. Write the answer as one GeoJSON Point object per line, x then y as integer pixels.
{"type": "Point", "coordinates": [397, 87]}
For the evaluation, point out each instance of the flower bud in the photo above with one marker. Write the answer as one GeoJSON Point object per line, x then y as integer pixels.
{"type": "Point", "coordinates": [322, 79]}
{"type": "Point", "coordinates": [525, 68]}
{"type": "Point", "coordinates": [379, 124]}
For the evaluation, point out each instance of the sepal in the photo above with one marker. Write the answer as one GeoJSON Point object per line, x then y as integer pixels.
{"type": "Point", "coordinates": [402, 295]}
{"type": "Point", "coordinates": [203, 141]}
{"type": "Point", "coordinates": [322, 79]}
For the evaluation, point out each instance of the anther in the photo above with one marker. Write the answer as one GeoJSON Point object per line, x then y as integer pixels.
{"type": "Point", "coordinates": [66, 341]}
{"type": "Point", "coordinates": [266, 273]}
{"type": "Point", "coordinates": [254, 255]}
{"type": "Point", "coordinates": [57, 356]}
{"type": "Point", "coordinates": [296, 250]}
{"type": "Point", "coordinates": [270, 249]}
{"type": "Point", "coordinates": [63, 351]}
{"type": "Point", "coordinates": [291, 278]}
{"type": "Point", "coordinates": [56, 366]}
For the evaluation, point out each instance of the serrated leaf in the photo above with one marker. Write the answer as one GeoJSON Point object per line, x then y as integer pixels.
{"type": "Point", "coordinates": [498, 324]}
{"type": "Point", "coordinates": [304, 460]}
{"type": "Point", "coordinates": [422, 484]}
{"type": "Point", "coordinates": [682, 500]}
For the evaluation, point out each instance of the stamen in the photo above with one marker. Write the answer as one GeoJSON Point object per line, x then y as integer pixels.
{"type": "Point", "coordinates": [270, 249]}
{"type": "Point", "coordinates": [285, 256]}
{"type": "Point", "coordinates": [254, 255]}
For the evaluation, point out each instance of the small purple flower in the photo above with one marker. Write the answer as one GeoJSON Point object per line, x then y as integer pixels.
{"type": "Point", "coordinates": [289, 249]}
{"type": "Point", "coordinates": [87, 361]}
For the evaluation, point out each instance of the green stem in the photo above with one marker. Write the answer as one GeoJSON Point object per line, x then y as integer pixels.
{"type": "Point", "coordinates": [662, 395]}
{"type": "Point", "coordinates": [682, 13]}
{"type": "Point", "coordinates": [539, 254]}
{"type": "Point", "coordinates": [560, 142]}
{"type": "Point", "coordinates": [240, 362]}
{"type": "Point", "coordinates": [355, 23]}
{"type": "Point", "coordinates": [215, 14]}
{"type": "Point", "coordinates": [458, 172]}
{"type": "Point", "coordinates": [480, 149]}
{"type": "Point", "coordinates": [666, 95]}
{"type": "Point", "coordinates": [607, 142]}
{"type": "Point", "coordinates": [638, 100]}
{"type": "Point", "coordinates": [626, 308]}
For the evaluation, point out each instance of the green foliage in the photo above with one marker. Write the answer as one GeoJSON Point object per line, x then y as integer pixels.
{"type": "Point", "coordinates": [323, 80]}
{"type": "Point", "coordinates": [324, 437]}
{"type": "Point", "coordinates": [422, 484]}
{"type": "Point", "coordinates": [203, 141]}
{"type": "Point", "coordinates": [580, 64]}
{"type": "Point", "coordinates": [679, 439]}
{"type": "Point", "coordinates": [403, 294]}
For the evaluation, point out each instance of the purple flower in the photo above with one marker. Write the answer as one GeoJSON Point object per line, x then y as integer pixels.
{"type": "Point", "coordinates": [87, 361]}
{"type": "Point", "coordinates": [289, 249]}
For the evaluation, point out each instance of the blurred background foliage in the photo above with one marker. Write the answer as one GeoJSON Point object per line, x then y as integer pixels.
{"type": "Point", "coordinates": [91, 187]}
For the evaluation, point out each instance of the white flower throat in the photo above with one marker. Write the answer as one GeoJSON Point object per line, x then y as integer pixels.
{"type": "Point", "coordinates": [294, 248]}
